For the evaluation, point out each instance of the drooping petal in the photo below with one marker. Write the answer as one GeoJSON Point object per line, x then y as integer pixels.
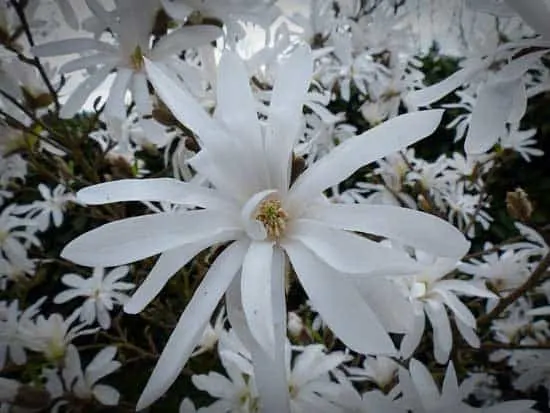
{"type": "Point", "coordinates": [339, 303]}
{"type": "Point", "coordinates": [166, 266]}
{"type": "Point", "coordinates": [414, 228]}
{"type": "Point", "coordinates": [424, 385]}
{"type": "Point", "coordinates": [152, 190]}
{"type": "Point", "coordinates": [257, 294]}
{"type": "Point", "coordinates": [192, 322]}
{"type": "Point", "coordinates": [441, 326]}
{"type": "Point", "coordinates": [269, 373]}
{"type": "Point", "coordinates": [88, 61]}
{"type": "Point", "coordinates": [389, 137]}
{"type": "Point", "coordinates": [350, 253]}
{"type": "Point", "coordinates": [413, 337]}
{"type": "Point", "coordinates": [133, 239]}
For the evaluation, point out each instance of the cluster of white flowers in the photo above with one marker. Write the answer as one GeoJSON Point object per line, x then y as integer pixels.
{"type": "Point", "coordinates": [248, 168]}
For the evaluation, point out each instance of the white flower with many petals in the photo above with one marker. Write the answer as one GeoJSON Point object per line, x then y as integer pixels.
{"type": "Point", "coordinates": [102, 292]}
{"type": "Point", "coordinates": [271, 220]}
{"type": "Point", "coordinates": [131, 27]}
{"type": "Point", "coordinates": [53, 205]}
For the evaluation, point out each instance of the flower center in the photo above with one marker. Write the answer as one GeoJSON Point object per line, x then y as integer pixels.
{"type": "Point", "coordinates": [136, 59]}
{"type": "Point", "coordinates": [274, 218]}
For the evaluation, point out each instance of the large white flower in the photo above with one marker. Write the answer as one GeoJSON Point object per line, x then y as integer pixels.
{"type": "Point", "coordinates": [253, 203]}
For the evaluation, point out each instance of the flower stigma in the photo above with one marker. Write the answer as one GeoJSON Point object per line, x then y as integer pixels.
{"type": "Point", "coordinates": [273, 217]}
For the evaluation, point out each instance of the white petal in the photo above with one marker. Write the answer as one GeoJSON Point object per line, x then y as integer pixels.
{"type": "Point", "coordinates": [494, 104]}
{"type": "Point", "coordinates": [270, 374]}
{"type": "Point", "coordinates": [256, 293]}
{"type": "Point", "coordinates": [433, 93]}
{"type": "Point", "coordinates": [378, 292]}
{"type": "Point", "coordinates": [133, 239]}
{"type": "Point", "coordinates": [474, 288]}
{"type": "Point", "coordinates": [70, 46]}
{"type": "Point", "coordinates": [424, 384]}
{"type": "Point", "coordinates": [191, 324]}
{"type": "Point", "coordinates": [183, 106]}
{"type": "Point", "coordinates": [414, 228]}
{"type": "Point", "coordinates": [339, 303]}
{"type": "Point", "coordinates": [458, 308]}
{"type": "Point", "coordinates": [350, 253]}
{"type": "Point", "coordinates": [467, 333]}
{"type": "Point", "coordinates": [413, 337]}
{"type": "Point", "coordinates": [442, 334]}
{"type": "Point", "coordinates": [165, 267]}
{"type": "Point", "coordinates": [80, 94]}
{"type": "Point", "coordinates": [155, 189]}
{"type": "Point", "coordinates": [88, 61]}
{"type": "Point", "coordinates": [285, 115]}
{"type": "Point", "coordinates": [106, 395]}
{"type": "Point", "coordinates": [115, 105]}
{"type": "Point", "coordinates": [535, 13]}
{"type": "Point", "coordinates": [184, 38]}
{"type": "Point", "coordinates": [389, 137]}
{"type": "Point", "coordinates": [140, 94]}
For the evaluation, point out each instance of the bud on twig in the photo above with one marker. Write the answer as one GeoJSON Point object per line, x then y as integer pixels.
{"type": "Point", "coordinates": [518, 205]}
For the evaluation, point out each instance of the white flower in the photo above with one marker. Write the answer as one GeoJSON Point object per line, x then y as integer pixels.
{"type": "Point", "coordinates": [102, 292]}
{"type": "Point", "coordinates": [421, 394]}
{"type": "Point", "coordinates": [51, 336]}
{"type": "Point", "coordinates": [53, 205]}
{"type": "Point", "coordinates": [131, 31]}
{"type": "Point", "coordinates": [15, 236]}
{"type": "Point", "coordinates": [254, 204]}
{"type": "Point", "coordinates": [380, 370]}
{"type": "Point", "coordinates": [430, 294]}
{"type": "Point", "coordinates": [521, 142]}
{"type": "Point", "coordinates": [12, 324]}
{"type": "Point", "coordinates": [84, 385]}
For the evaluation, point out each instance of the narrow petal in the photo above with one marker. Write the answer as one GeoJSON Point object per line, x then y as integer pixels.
{"type": "Point", "coordinates": [414, 228]}
{"type": "Point", "coordinates": [442, 334]}
{"type": "Point", "coordinates": [136, 238]}
{"type": "Point", "coordinates": [431, 94]}
{"type": "Point", "coordinates": [269, 373]}
{"type": "Point", "coordinates": [458, 308]}
{"type": "Point", "coordinates": [413, 337]}
{"type": "Point", "coordinates": [166, 266]}
{"type": "Point", "coordinates": [82, 92]}
{"type": "Point", "coordinates": [69, 46]}
{"type": "Point", "coordinates": [424, 384]}
{"type": "Point", "coordinates": [140, 94]}
{"type": "Point", "coordinates": [257, 294]}
{"type": "Point", "coordinates": [389, 137]}
{"type": "Point", "coordinates": [184, 38]}
{"type": "Point", "coordinates": [115, 104]}
{"type": "Point", "coordinates": [191, 324]}
{"type": "Point", "coordinates": [350, 253]}
{"type": "Point", "coordinates": [85, 62]}
{"type": "Point", "coordinates": [285, 113]}
{"type": "Point", "coordinates": [339, 303]}
{"type": "Point", "coordinates": [152, 190]}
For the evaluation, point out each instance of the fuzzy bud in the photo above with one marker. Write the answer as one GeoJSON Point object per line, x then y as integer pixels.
{"type": "Point", "coordinates": [518, 205]}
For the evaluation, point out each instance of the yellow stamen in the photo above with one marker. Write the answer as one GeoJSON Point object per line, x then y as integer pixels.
{"type": "Point", "coordinates": [273, 216]}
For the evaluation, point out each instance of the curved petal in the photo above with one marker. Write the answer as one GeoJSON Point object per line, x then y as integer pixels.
{"type": "Point", "coordinates": [350, 253]}
{"type": "Point", "coordinates": [184, 38]}
{"type": "Point", "coordinates": [257, 295]}
{"type": "Point", "coordinates": [133, 239]}
{"type": "Point", "coordinates": [387, 138]}
{"type": "Point", "coordinates": [414, 228]}
{"type": "Point", "coordinates": [155, 189]}
{"type": "Point", "coordinates": [339, 303]}
{"type": "Point", "coordinates": [192, 322]}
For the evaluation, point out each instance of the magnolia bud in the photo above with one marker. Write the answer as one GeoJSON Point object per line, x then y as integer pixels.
{"type": "Point", "coordinates": [518, 205]}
